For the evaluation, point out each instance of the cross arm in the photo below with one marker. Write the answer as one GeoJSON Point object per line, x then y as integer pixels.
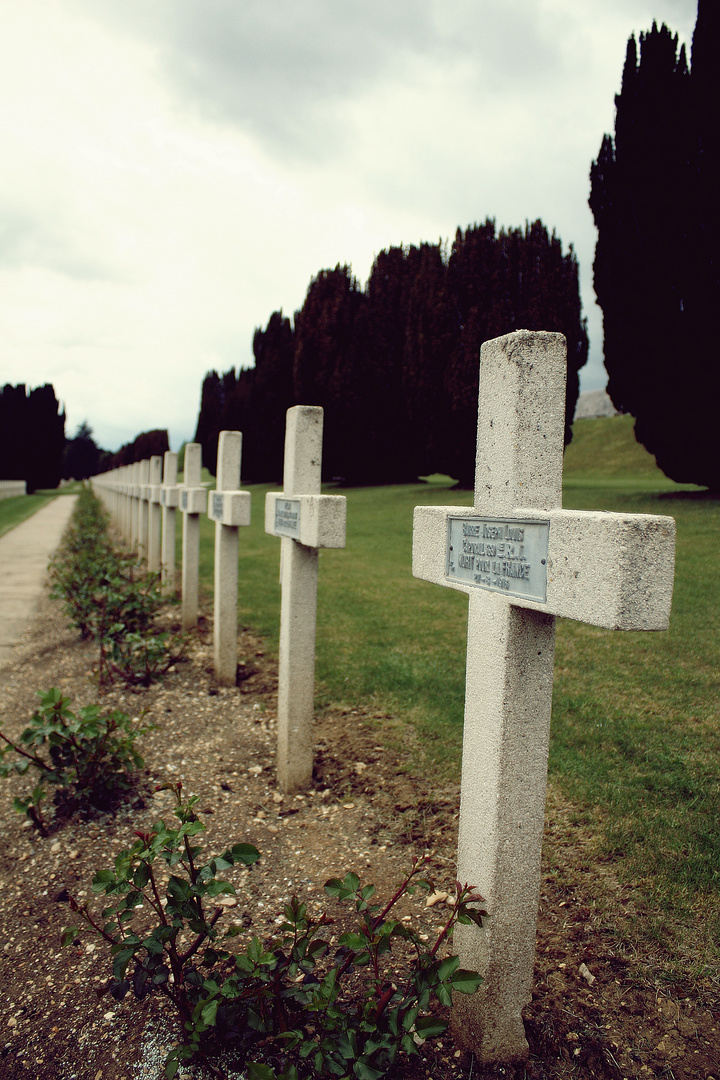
{"type": "Point", "coordinates": [316, 521]}
{"type": "Point", "coordinates": [229, 507]}
{"type": "Point", "coordinates": [606, 569]}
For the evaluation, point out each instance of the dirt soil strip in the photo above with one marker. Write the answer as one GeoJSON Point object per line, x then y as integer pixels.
{"type": "Point", "coordinates": [366, 812]}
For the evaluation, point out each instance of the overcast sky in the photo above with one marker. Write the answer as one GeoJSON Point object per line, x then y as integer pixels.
{"type": "Point", "coordinates": [173, 171]}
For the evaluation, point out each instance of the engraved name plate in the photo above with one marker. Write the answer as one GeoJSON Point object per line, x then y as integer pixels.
{"type": "Point", "coordinates": [183, 500]}
{"type": "Point", "coordinates": [217, 504]}
{"type": "Point", "coordinates": [287, 518]}
{"type": "Point", "coordinates": [501, 554]}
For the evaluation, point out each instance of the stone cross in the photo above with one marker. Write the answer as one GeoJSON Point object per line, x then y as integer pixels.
{"type": "Point", "coordinates": [143, 510]}
{"type": "Point", "coordinates": [192, 502]}
{"type": "Point", "coordinates": [306, 521]}
{"type": "Point", "coordinates": [154, 513]}
{"type": "Point", "coordinates": [523, 561]}
{"type": "Point", "coordinates": [229, 508]}
{"type": "Point", "coordinates": [169, 503]}
{"type": "Point", "coordinates": [134, 513]}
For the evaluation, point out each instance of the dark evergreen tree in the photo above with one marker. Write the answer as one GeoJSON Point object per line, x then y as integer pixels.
{"type": "Point", "coordinates": [145, 445]}
{"type": "Point", "coordinates": [32, 436]}
{"type": "Point", "coordinates": [515, 280]}
{"type": "Point", "coordinates": [326, 370]}
{"type": "Point", "coordinates": [396, 366]}
{"type": "Point", "coordinates": [263, 396]}
{"type": "Point", "coordinates": [208, 425]}
{"type": "Point", "coordinates": [655, 197]}
{"type": "Point", "coordinates": [431, 336]}
{"type": "Point", "coordinates": [82, 454]}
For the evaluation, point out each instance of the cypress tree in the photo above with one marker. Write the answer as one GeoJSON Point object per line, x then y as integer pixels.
{"type": "Point", "coordinates": [656, 202]}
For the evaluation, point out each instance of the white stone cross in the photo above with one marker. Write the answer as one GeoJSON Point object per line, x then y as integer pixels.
{"type": "Point", "coordinates": [306, 521]}
{"type": "Point", "coordinates": [523, 561]}
{"type": "Point", "coordinates": [134, 505]}
{"type": "Point", "coordinates": [143, 510]}
{"type": "Point", "coordinates": [169, 503]}
{"type": "Point", "coordinates": [154, 513]}
{"type": "Point", "coordinates": [192, 503]}
{"type": "Point", "coordinates": [229, 508]}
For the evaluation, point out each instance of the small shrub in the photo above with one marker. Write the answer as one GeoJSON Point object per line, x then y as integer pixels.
{"type": "Point", "coordinates": [291, 996]}
{"type": "Point", "coordinates": [108, 598]}
{"type": "Point", "coordinates": [91, 752]}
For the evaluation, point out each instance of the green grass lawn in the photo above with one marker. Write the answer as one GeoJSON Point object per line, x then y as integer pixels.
{"type": "Point", "coordinates": [635, 741]}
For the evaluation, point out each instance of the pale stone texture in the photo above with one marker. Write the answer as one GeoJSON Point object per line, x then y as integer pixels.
{"type": "Point", "coordinates": [144, 509]}
{"type": "Point", "coordinates": [193, 502]}
{"type": "Point", "coordinates": [229, 508]}
{"type": "Point", "coordinates": [613, 570]}
{"type": "Point", "coordinates": [169, 503]}
{"type": "Point", "coordinates": [318, 521]}
{"type": "Point", "coordinates": [134, 505]}
{"type": "Point", "coordinates": [154, 513]}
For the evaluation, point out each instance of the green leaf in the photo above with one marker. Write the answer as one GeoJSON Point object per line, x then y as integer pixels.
{"type": "Point", "coordinates": [448, 967]}
{"type": "Point", "coordinates": [257, 1071]}
{"type": "Point", "coordinates": [429, 1027]}
{"type": "Point", "coordinates": [354, 941]}
{"type": "Point", "coordinates": [121, 961]}
{"type": "Point", "coordinates": [364, 1072]}
{"type": "Point", "coordinates": [466, 982]}
{"type": "Point", "coordinates": [209, 1012]}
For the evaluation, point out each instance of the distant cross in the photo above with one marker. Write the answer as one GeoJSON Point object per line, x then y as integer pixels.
{"type": "Point", "coordinates": [169, 503]}
{"type": "Point", "coordinates": [306, 521]}
{"type": "Point", "coordinates": [523, 561]}
{"type": "Point", "coordinates": [143, 510]}
{"type": "Point", "coordinates": [229, 508]}
{"type": "Point", "coordinates": [154, 513]}
{"type": "Point", "coordinates": [134, 505]}
{"type": "Point", "coordinates": [192, 503]}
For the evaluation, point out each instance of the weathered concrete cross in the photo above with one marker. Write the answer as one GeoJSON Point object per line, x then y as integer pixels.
{"type": "Point", "coordinates": [306, 521]}
{"type": "Point", "coordinates": [229, 508]}
{"type": "Point", "coordinates": [192, 503]}
{"type": "Point", "coordinates": [523, 561]}
{"type": "Point", "coordinates": [154, 513]}
{"type": "Point", "coordinates": [169, 503]}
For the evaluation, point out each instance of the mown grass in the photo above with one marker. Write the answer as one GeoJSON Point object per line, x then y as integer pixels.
{"type": "Point", "coordinates": [20, 507]}
{"type": "Point", "coordinates": [635, 740]}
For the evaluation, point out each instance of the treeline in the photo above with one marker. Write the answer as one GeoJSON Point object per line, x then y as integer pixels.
{"type": "Point", "coordinates": [32, 436]}
{"type": "Point", "coordinates": [145, 445]}
{"type": "Point", "coordinates": [395, 365]}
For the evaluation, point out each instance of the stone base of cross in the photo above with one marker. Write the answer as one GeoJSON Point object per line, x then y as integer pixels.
{"type": "Point", "coordinates": [306, 521]}
{"type": "Point", "coordinates": [523, 561]}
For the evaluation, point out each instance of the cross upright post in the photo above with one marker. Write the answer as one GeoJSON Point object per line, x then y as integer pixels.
{"type": "Point", "coordinates": [169, 504]}
{"type": "Point", "coordinates": [193, 503]}
{"type": "Point", "coordinates": [306, 521]}
{"type": "Point", "coordinates": [523, 561]}
{"type": "Point", "coordinates": [229, 508]}
{"type": "Point", "coordinates": [134, 506]}
{"type": "Point", "coordinates": [154, 513]}
{"type": "Point", "coordinates": [144, 510]}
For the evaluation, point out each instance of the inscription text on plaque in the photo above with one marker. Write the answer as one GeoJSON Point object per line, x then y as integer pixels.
{"type": "Point", "coordinates": [504, 555]}
{"type": "Point", "coordinates": [287, 518]}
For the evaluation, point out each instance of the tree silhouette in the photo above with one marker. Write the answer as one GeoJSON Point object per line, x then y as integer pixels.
{"type": "Point", "coordinates": [655, 197]}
